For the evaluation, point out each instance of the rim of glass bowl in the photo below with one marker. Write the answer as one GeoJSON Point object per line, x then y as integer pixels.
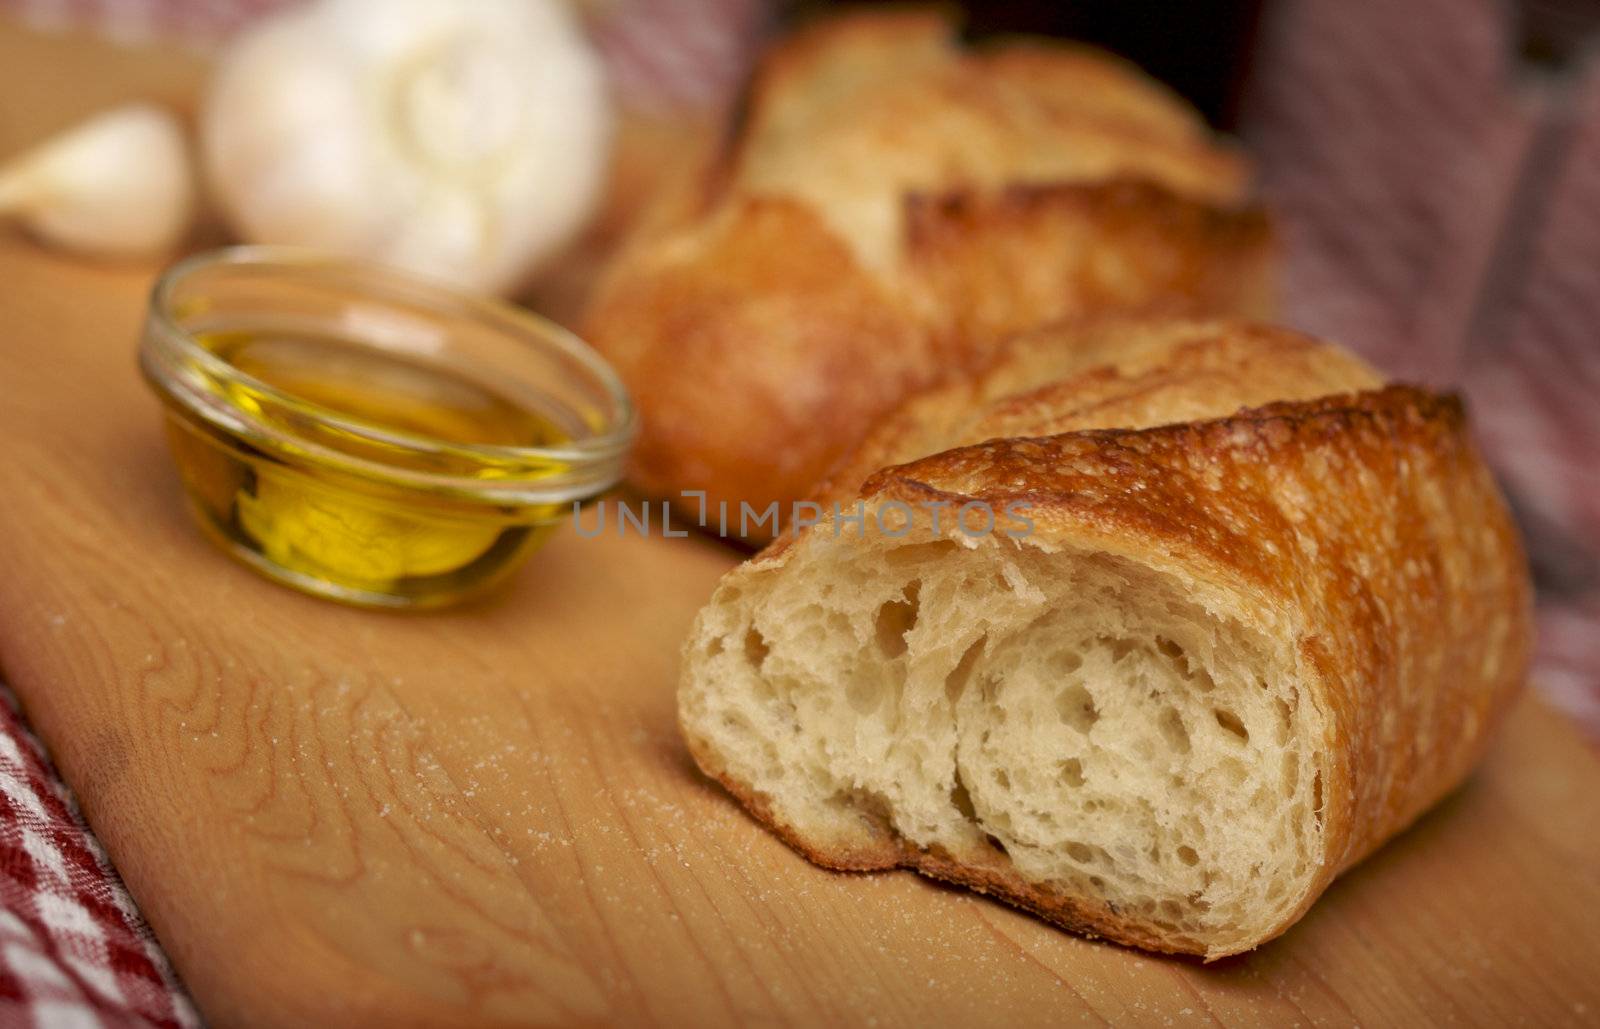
{"type": "Point", "coordinates": [173, 360]}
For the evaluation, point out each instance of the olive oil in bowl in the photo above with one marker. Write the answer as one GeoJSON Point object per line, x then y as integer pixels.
{"type": "Point", "coordinates": [366, 472]}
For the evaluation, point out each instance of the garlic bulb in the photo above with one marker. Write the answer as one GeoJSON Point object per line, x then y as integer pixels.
{"type": "Point", "coordinates": [466, 140]}
{"type": "Point", "coordinates": [119, 185]}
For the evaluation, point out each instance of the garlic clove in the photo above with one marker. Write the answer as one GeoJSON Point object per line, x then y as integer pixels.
{"type": "Point", "coordinates": [467, 140]}
{"type": "Point", "coordinates": [118, 185]}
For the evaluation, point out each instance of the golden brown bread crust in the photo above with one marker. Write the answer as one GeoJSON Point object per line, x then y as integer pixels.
{"type": "Point", "coordinates": [1364, 524]}
{"type": "Point", "coordinates": [1113, 371]}
{"type": "Point", "coordinates": [1002, 263]}
{"type": "Point", "coordinates": [887, 209]}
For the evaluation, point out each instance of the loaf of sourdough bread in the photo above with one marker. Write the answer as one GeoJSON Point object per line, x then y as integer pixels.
{"type": "Point", "coordinates": [1239, 614]}
{"type": "Point", "coordinates": [886, 208]}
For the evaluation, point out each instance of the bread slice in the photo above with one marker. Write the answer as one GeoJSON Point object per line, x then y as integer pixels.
{"type": "Point", "coordinates": [1211, 658]}
{"type": "Point", "coordinates": [888, 207]}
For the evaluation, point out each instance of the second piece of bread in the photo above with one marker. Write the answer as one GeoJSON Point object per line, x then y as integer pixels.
{"type": "Point", "coordinates": [886, 209]}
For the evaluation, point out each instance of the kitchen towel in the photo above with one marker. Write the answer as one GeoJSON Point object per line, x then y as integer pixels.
{"type": "Point", "coordinates": [74, 951]}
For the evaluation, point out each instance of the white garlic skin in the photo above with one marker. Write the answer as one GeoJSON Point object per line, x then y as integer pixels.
{"type": "Point", "coordinates": [120, 185]}
{"type": "Point", "coordinates": [465, 140]}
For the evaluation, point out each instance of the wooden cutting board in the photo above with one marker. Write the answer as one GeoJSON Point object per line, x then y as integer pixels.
{"type": "Point", "coordinates": [333, 816]}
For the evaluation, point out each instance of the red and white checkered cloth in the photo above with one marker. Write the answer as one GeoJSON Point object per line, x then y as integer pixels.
{"type": "Point", "coordinates": [73, 950]}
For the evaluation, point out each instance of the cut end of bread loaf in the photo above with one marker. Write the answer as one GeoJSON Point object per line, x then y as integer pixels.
{"type": "Point", "coordinates": [1260, 615]}
{"type": "Point", "coordinates": [1081, 734]}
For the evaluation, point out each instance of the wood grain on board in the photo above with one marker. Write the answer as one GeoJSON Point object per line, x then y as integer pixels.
{"type": "Point", "coordinates": [333, 816]}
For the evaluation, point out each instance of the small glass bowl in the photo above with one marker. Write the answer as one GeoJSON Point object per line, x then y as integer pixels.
{"type": "Point", "coordinates": [345, 504]}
